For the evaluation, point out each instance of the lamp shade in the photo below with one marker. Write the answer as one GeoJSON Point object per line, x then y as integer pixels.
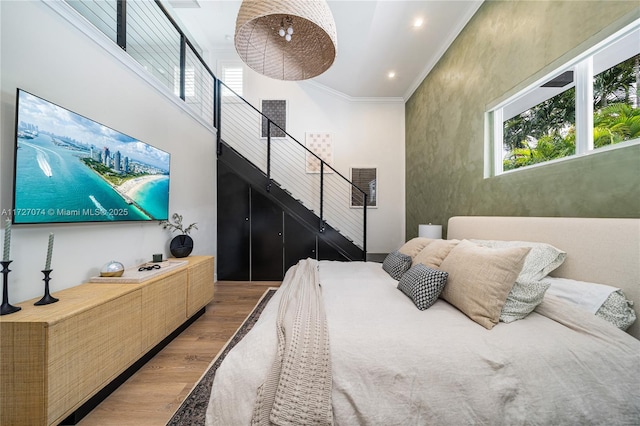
{"type": "Point", "coordinates": [312, 44]}
{"type": "Point", "coordinates": [430, 231]}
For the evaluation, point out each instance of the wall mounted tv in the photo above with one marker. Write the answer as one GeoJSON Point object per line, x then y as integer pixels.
{"type": "Point", "coordinates": [69, 168]}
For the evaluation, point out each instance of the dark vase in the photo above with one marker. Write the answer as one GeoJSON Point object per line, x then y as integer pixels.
{"type": "Point", "coordinates": [181, 246]}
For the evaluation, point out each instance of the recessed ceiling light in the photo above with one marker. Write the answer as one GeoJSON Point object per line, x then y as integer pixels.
{"type": "Point", "coordinates": [391, 74]}
{"type": "Point", "coordinates": [418, 22]}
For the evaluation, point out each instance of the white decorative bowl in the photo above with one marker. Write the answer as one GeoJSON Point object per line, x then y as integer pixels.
{"type": "Point", "coordinates": [112, 269]}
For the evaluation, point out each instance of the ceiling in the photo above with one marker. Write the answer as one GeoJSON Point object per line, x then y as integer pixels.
{"type": "Point", "coordinates": [374, 38]}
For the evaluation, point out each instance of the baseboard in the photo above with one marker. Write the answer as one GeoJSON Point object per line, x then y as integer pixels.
{"type": "Point", "coordinates": [376, 257]}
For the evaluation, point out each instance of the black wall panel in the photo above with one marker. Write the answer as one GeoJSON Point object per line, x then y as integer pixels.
{"type": "Point", "coordinates": [233, 226]}
{"type": "Point", "coordinates": [267, 239]}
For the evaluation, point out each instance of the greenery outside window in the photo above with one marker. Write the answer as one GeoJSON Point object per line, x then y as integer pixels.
{"type": "Point", "coordinates": [589, 104]}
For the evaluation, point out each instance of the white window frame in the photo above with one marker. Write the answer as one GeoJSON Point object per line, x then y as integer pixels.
{"type": "Point", "coordinates": [583, 77]}
{"type": "Point", "coordinates": [222, 66]}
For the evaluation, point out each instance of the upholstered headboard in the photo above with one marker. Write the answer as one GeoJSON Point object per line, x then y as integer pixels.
{"type": "Point", "coordinates": [605, 251]}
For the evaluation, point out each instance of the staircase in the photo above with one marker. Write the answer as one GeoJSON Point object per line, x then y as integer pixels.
{"type": "Point", "coordinates": [292, 206]}
{"type": "Point", "coordinates": [276, 164]}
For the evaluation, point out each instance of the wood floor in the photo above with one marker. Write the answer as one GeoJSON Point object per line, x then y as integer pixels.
{"type": "Point", "coordinates": [151, 396]}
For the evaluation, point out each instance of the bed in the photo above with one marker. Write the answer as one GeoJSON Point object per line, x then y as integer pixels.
{"type": "Point", "coordinates": [340, 344]}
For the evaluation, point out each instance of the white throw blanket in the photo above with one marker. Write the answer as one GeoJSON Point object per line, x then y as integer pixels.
{"type": "Point", "coordinates": [297, 390]}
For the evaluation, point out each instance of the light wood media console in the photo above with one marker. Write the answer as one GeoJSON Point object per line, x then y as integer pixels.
{"type": "Point", "coordinates": [55, 358]}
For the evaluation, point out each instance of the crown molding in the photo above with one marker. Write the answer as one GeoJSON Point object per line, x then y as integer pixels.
{"type": "Point", "coordinates": [353, 99]}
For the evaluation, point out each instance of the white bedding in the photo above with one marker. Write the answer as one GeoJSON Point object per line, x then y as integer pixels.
{"type": "Point", "coordinates": [589, 297]}
{"type": "Point", "coordinates": [393, 364]}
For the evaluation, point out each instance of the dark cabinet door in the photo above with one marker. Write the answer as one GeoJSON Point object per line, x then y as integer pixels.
{"type": "Point", "coordinates": [299, 242]}
{"type": "Point", "coordinates": [233, 226]}
{"type": "Point", "coordinates": [326, 252]}
{"type": "Point", "coordinates": [267, 239]}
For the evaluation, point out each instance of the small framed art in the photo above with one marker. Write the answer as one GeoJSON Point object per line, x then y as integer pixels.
{"type": "Point", "coordinates": [365, 178]}
{"type": "Point", "coordinates": [321, 144]}
{"type": "Point", "coordinates": [276, 110]}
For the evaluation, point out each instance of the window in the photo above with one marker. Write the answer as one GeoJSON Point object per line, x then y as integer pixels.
{"type": "Point", "coordinates": [587, 105]}
{"type": "Point", "coordinates": [616, 115]}
{"type": "Point", "coordinates": [232, 77]}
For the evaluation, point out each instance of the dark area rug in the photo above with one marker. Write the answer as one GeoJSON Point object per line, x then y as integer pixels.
{"type": "Point", "coordinates": [193, 409]}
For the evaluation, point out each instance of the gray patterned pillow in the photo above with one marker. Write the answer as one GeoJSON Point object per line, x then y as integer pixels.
{"type": "Point", "coordinates": [396, 264]}
{"type": "Point", "coordinates": [423, 285]}
{"type": "Point", "coordinates": [618, 310]}
{"type": "Point", "coordinates": [522, 300]}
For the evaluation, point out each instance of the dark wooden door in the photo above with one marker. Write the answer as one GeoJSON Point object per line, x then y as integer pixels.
{"type": "Point", "coordinates": [267, 239]}
{"type": "Point", "coordinates": [233, 226]}
{"type": "Point", "coordinates": [299, 242]}
{"type": "Point", "coordinates": [326, 252]}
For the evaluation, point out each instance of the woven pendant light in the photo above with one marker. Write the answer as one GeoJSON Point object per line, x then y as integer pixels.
{"type": "Point", "coordinates": [286, 40]}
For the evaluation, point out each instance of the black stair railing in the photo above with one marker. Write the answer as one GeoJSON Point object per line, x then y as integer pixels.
{"type": "Point", "coordinates": [326, 192]}
{"type": "Point", "coordinates": [148, 33]}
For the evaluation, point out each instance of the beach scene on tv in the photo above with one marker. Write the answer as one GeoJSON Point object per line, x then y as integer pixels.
{"type": "Point", "coordinates": [72, 169]}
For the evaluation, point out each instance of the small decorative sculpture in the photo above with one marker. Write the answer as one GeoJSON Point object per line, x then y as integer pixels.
{"type": "Point", "coordinates": [181, 245]}
{"type": "Point", "coordinates": [112, 269]}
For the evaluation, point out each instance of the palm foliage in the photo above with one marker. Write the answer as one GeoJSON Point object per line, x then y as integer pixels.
{"type": "Point", "coordinates": [547, 130]}
{"type": "Point", "coordinates": [615, 123]}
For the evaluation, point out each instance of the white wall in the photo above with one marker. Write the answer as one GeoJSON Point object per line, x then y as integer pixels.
{"type": "Point", "coordinates": [41, 52]}
{"type": "Point", "coordinates": [366, 132]}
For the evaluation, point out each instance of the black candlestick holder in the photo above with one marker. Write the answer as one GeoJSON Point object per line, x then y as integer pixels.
{"type": "Point", "coordinates": [6, 307]}
{"type": "Point", "coordinates": [47, 298]}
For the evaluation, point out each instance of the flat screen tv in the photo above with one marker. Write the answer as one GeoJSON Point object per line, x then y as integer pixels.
{"type": "Point", "coordinates": [69, 168]}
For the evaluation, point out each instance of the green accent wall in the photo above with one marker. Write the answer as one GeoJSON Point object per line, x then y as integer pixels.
{"type": "Point", "coordinates": [505, 46]}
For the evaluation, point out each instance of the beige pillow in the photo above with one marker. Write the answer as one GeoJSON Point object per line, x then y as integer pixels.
{"type": "Point", "coordinates": [433, 254]}
{"type": "Point", "coordinates": [480, 279]}
{"type": "Point", "coordinates": [413, 246]}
